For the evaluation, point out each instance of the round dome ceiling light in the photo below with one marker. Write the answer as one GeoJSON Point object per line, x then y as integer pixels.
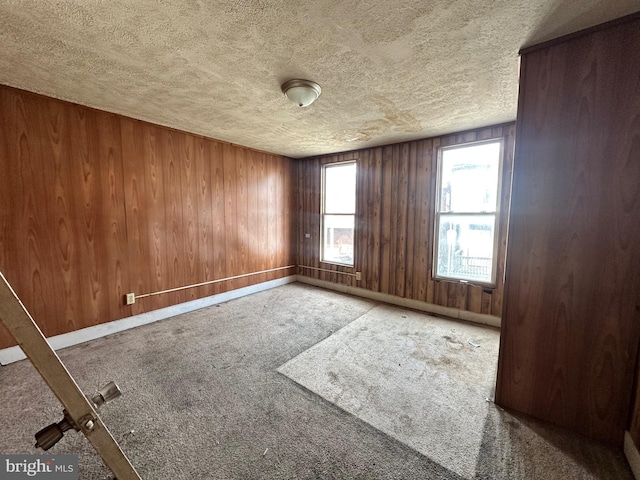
{"type": "Point", "coordinates": [301, 92]}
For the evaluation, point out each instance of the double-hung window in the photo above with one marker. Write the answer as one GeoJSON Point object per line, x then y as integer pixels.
{"type": "Point", "coordinates": [338, 212]}
{"type": "Point", "coordinates": [467, 207]}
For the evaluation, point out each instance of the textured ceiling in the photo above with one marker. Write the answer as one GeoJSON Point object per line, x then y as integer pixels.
{"type": "Point", "coordinates": [389, 70]}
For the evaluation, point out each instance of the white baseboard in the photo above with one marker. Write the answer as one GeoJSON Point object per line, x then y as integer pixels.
{"type": "Point", "coordinates": [632, 454]}
{"type": "Point", "coordinates": [406, 302]}
{"type": "Point", "coordinates": [14, 354]}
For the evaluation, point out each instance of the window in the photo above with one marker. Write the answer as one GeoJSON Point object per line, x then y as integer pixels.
{"type": "Point", "coordinates": [338, 212]}
{"type": "Point", "coordinates": [467, 208]}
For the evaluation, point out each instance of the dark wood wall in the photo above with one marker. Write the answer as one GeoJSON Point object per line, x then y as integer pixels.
{"type": "Point", "coordinates": [571, 321]}
{"type": "Point", "coordinates": [94, 205]}
{"type": "Point", "coordinates": [634, 421]}
{"type": "Point", "coordinates": [394, 221]}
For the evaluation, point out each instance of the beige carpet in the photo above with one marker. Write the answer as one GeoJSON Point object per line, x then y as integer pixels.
{"type": "Point", "coordinates": [203, 398]}
{"type": "Point", "coordinates": [424, 381]}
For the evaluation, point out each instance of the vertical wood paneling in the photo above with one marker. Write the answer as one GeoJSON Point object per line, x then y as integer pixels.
{"type": "Point", "coordinates": [314, 206]}
{"type": "Point", "coordinates": [232, 250]}
{"type": "Point", "coordinates": [290, 217]}
{"type": "Point", "coordinates": [188, 188]}
{"type": "Point", "coordinates": [263, 214]}
{"type": "Point", "coordinates": [394, 221]}
{"type": "Point", "coordinates": [372, 272]}
{"type": "Point", "coordinates": [216, 158]}
{"type": "Point", "coordinates": [111, 252]}
{"type": "Point", "coordinates": [474, 299]}
{"type": "Point", "coordinates": [507, 175]}
{"type": "Point", "coordinates": [385, 218]}
{"type": "Point", "coordinates": [271, 217]}
{"type": "Point", "coordinates": [242, 214]}
{"type": "Point", "coordinates": [362, 198]}
{"type": "Point", "coordinates": [571, 317]}
{"type": "Point", "coordinates": [95, 205]}
{"type": "Point", "coordinates": [411, 216]}
{"type": "Point", "coordinates": [253, 232]}
{"type": "Point", "coordinates": [634, 422]}
{"type": "Point", "coordinates": [140, 256]}
{"type": "Point", "coordinates": [65, 163]}
{"type": "Point", "coordinates": [423, 250]}
{"type": "Point", "coordinates": [401, 152]}
{"type": "Point", "coordinates": [393, 233]}
{"type": "Point", "coordinates": [279, 211]}
{"type": "Point", "coordinates": [175, 235]}
{"type": "Point", "coordinates": [206, 220]}
{"type": "Point", "coordinates": [27, 238]}
{"type": "Point", "coordinates": [156, 214]}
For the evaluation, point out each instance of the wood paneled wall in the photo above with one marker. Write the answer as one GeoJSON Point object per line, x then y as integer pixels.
{"type": "Point", "coordinates": [94, 205]}
{"type": "Point", "coordinates": [571, 321]}
{"type": "Point", "coordinates": [634, 422]}
{"type": "Point", "coordinates": [395, 190]}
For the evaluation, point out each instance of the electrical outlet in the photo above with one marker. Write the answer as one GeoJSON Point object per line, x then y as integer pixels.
{"type": "Point", "coordinates": [307, 235]}
{"type": "Point", "coordinates": [358, 275]}
{"type": "Point", "coordinates": [130, 298]}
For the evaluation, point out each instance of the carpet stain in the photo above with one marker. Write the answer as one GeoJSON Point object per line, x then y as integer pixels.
{"type": "Point", "coordinates": [406, 422]}
{"type": "Point", "coordinates": [445, 361]}
{"type": "Point", "coordinates": [453, 343]}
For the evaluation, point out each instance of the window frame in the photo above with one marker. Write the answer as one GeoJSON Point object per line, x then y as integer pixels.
{"type": "Point", "coordinates": [323, 211]}
{"type": "Point", "coordinates": [496, 222]}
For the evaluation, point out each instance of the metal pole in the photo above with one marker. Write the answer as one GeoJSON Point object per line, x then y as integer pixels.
{"type": "Point", "coordinates": [19, 323]}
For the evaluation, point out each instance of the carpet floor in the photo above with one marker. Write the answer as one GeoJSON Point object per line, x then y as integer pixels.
{"type": "Point", "coordinates": [208, 395]}
{"type": "Point", "coordinates": [424, 381]}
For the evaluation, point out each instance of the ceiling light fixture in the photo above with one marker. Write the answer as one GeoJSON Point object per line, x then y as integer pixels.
{"type": "Point", "coordinates": [301, 92]}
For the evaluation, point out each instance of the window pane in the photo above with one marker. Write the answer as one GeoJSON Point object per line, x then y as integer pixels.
{"type": "Point", "coordinates": [340, 188]}
{"type": "Point", "coordinates": [470, 178]}
{"type": "Point", "coordinates": [465, 247]}
{"type": "Point", "coordinates": [338, 239]}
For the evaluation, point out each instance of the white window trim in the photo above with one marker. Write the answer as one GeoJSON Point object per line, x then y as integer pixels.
{"type": "Point", "coordinates": [323, 213]}
{"type": "Point", "coordinates": [496, 222]}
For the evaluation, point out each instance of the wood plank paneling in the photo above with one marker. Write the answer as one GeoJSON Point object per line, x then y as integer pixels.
{"type": "Point", "coordinates": [110, 242]}
{"type": "Point", "coordinates": [25, 211]}
{"type": "Point", "coordinates": [242, 216]}
{"type": "Point", "coordinates": [386, 221]}
{"type": "Point", "coordinates": [95, 205]}
{"type": "Point", "coordinates": [263, 218]}
{"type": "Point", "coordinates": [634, 422]}
{"type": "Point", "coordinates": [411, 217]}
{"type": "Point", "coordinates": [188, 189]}
{"type": "Point", "coordinates": [216, 159]}
{"type": "Point", "coordinates": [394, 221]}
{"type": "Point", "coordinates": [571, 319]}
{"type": "Point", "coordinates": [140, 259]}
{"type": "Point", "coordinates": [205, 218]}
{"type": "Point", "coordinates": [271, 219]}
{"type": "Point", "coordinates": [253, 166]}
{"type": "Point", "coordinates": [56, 148]}
{"type": "Point", "coordinates": [174, 232]}
{"type": "Point", "coordinates": [425, 198]}
{"type": "Point", "coordinates": [157, 228]}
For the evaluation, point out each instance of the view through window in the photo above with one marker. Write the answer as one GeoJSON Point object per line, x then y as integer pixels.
{"type": "Point", "coordinates": [338, 212]}
{"type": "Point", "coordinates": [466, 212]}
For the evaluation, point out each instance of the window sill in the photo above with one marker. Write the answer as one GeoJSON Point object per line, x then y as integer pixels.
{"type": "Point", "coordinates": [490, 286]}
{"type": "Point", "coordinates": [346, 265]}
